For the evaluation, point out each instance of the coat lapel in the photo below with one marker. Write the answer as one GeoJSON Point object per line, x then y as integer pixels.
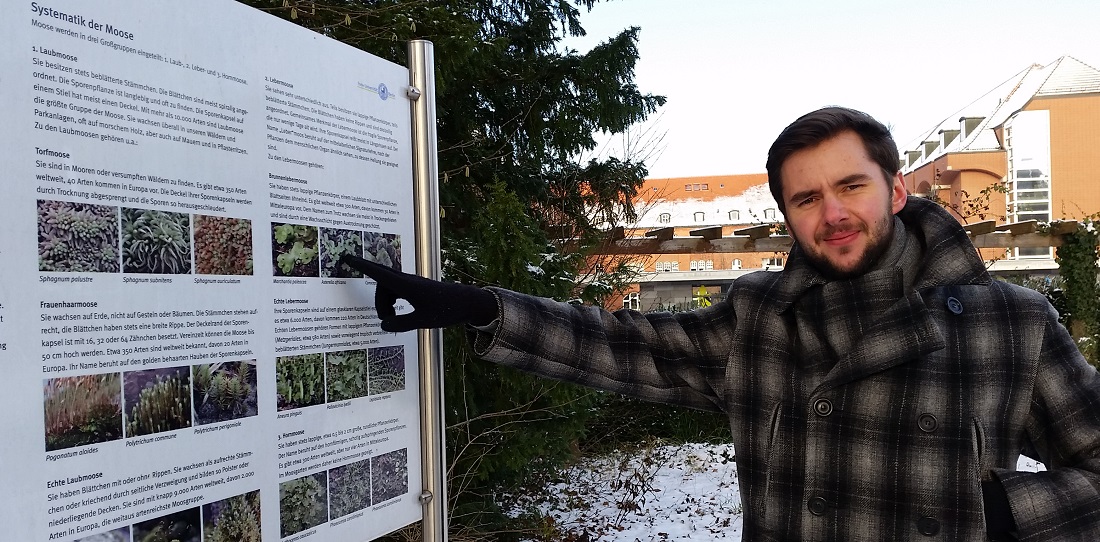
{"type": "Point", "coordinates": [905, 332]}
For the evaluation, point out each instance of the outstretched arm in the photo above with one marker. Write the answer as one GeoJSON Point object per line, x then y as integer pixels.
{"type": "Point", "coordinates": [677, 359]}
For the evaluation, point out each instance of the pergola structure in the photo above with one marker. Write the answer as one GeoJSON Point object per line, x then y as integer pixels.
{"type": "Point", "coordinates": [759, 238]}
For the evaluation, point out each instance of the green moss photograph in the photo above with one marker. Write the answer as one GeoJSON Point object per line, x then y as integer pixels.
{"type": "Point", "coordinates": [236, 519]}
{"type": "Point", "coordinates": [346, 374]}
{"type": "Point", "coordinates": [224, 391]}
{"type": "Point", "coordinates": [77, 237]}
{"type": "Point", "coordinates": [300, 381]}
{"type": "Point", "coordinates": [157, 400]}
{"type": "Point", "coordinates": [303, 504]}
{"type": "Point", "coordinates": [156, 242]}
{"type": "Point", "coordinates": [294, 250]}
{"type": "Point", "coordinates": [82, 410]}
{"type": "Point", "coordinates": [223, 245]}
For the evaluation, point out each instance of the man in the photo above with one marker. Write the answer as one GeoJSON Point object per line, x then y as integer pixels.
{"type": "Point", "coordinates": [882, 387]}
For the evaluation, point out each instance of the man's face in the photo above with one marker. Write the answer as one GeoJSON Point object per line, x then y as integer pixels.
{"type": "Point", "coordinates": [840, 208]}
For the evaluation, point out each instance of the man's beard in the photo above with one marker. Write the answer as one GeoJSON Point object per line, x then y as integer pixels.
{"type": "Point", "coordinates": [880, 237]}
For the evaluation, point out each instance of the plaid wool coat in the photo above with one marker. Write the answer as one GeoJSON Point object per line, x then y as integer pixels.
{"type": "Point", "coordinates": [945, 389]}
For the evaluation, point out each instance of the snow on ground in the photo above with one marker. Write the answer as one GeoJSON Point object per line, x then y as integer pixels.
{"type": "Point", "coordinates": [656, 494]}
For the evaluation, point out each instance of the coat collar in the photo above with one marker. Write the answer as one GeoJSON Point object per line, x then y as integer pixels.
{"type": "Point", "coordinates": [949, 256]}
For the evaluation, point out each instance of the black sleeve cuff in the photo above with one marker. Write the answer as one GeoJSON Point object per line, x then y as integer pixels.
{"type": "Point", "coordinates": [998, 513]}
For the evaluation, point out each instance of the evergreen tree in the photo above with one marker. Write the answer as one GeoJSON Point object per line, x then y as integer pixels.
{"type": "Point", "coordinates": [515, 109]}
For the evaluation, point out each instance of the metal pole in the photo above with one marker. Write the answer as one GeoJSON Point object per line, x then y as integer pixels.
{"type": "Point", "coordinates": [421, 91]}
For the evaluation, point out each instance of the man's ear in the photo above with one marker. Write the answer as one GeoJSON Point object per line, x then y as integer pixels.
{"type": "Point", "coordinates": [898, 193]}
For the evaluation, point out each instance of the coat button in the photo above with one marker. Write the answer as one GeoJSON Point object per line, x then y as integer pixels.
{"type": "Point", "coordinates": [954, 305]}
{"type": "Point", "coordinates": [817, 506]}
{"type": "Point", "coordinates": [928, 526]}
{"type": "Point", "coordinates": [927, 423]}
{"type": "Point", "coordinates": [822, 407]}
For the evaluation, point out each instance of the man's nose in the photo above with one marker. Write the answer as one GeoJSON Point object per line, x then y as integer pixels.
{"type": "Point", "coordinates": [835, 210]}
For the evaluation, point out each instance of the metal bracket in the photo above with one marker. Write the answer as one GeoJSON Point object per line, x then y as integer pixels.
{"type": "Point", "coordinates": [413, 93]}
{"type": "Point", "coordinates": [426, 497]}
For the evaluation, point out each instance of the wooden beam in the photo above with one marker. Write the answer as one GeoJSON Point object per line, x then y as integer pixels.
{"type": "Point", "coordinates": [1062, 227]}
{"type": "Point", "coordinates": [1005, 239]}
{"type": "Point", "coordinates": [774, 243]}
{"type": "Point", "coordinates": [1019, 228]}
{"type": "Point", "coordinates": [755, 232]}
{"type": "Point", "coordinates": [979, 228]}
{"type": "Point", "coordinates": [615, 234]}
{"type": "Point", "coordinates": [710, 234]}
{"type": "Point", "coordinates": [662, 234]}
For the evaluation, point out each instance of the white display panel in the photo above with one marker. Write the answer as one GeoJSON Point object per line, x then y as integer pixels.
{"type": "Point", "coordinates": [182, 355]}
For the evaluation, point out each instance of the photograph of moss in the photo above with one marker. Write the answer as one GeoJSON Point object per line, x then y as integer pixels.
{"type": "Point", "coordinates": [223, 245]}
{"type": "Point", "coordinates": [300, 381]}
{"type": "Point", "coordinates": [82, 410]}
{"type": "Point", "coordinates": [386, 372]}
{"type": "Point", "coordinates": [224, 391]}
{"type": "Point", "coordinates": [157, 400]}
{"type": "Point", "coordinates": [294, 250]}
{"type": "Point", "coordinates": [389, 475]}
{"type": "Point", "coordinates": [303, 504]}
{"type": "Point", "coordinates": [382, 249]}
{"type": "Point", "coordinates": [336, 243]}
{"type": "Point", "coordinates": [182, 526]}
{"type": "Point", "coordinates": [155, 242]}
{"type": "Point", "coordinates": [77, 237]}
{"type": "Point", "coordinates": [349, 488]}
{"type": "Point", "coordinates": [236, 519]}
{"type": "Point", "coordinates": [121, 534]}
{"type": "Point", "coordinates": [346, 375]}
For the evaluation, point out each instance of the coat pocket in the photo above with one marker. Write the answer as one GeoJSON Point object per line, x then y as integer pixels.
{"type": "Point", "coordinates": [979, 446]}
{"type": "Point", "coordinates": [769, 463]}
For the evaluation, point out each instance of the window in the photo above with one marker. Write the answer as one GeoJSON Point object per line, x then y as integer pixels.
{"type": "Point", "coordinates": [1032, 185]}
{"type": "Point", "coordinates": [665, 218]}
{"type": "Point", "coordinates": [735, 215]}
{"type": "Point", "coordinates": [736, 264]}
{"type": "Point", "coordinates": [1032, 207]}
{"type": "Point", "coordinates": [701, 265]}
{"type": "Point", "coordinates": [769, 263]}
{"type": "Point", "coordinates": [664, 267]}
{"type": "Point", "coordinates": [1038, 217]}
{"type": "Point", "coordinates": [769, 214]}
{"type": "Point", "coordinates": [632, 301]}
{"type": "Point", "coordinates": [705, 186]}
{"type": "Point", "coordinates": [1033, 252]}
{"type": "Point", "coordinates": [695, 186]}
{"type": "Point", "coordinates": [687, 188]}
{"type": "Point", "coordinates": [1027, 147]}
{"type": "Point", "coordinates": [700, 216]}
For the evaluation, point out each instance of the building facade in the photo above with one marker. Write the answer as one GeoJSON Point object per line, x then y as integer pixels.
{"type": "Point", "coordinates": [1028, 149]}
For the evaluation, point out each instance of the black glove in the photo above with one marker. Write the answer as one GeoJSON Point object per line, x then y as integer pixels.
{"type": "Point", "coordinates": [435, 304]}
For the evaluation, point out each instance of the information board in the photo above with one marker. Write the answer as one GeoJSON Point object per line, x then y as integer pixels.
{"type": "Point", "coordinates": [183, 356]}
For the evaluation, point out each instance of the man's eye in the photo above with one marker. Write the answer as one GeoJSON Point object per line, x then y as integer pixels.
{"type": "Point", "coordinates": [806, 202]}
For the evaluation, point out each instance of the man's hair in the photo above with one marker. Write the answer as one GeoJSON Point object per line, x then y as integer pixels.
{"type": "Point", "coordinates": [815, 127]}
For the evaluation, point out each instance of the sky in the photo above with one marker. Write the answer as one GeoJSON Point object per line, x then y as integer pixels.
{"type": "Point", "coordinates": [736, 72]}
